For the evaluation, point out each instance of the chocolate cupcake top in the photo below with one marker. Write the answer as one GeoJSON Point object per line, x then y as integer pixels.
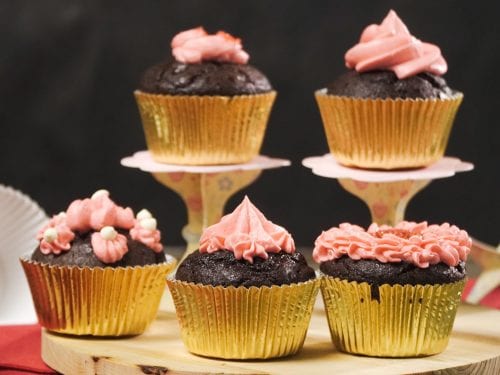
{"type": "Point", "coordinates": [96, 232]}
{"type": "Point", "coordinates": [205, 65]}
{"type": "Point", "coordinates": [407, 254]}
{"type": "Point", "coordinates": [245, 249]}
{"type": "Point", "coordinates": [385, 84]}
{"type": "Point", "coordinates": [392, 63]}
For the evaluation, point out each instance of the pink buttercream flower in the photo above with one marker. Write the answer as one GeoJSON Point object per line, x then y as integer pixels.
{"type": "Point", "coordinates": [390, 46]}
{"type": "Point", "coordinates": [247, 233]}
{"type": "Point", "coordinates": [56, 235]}
{"type": "Point", "coordinates": [78, 215]}
{"type": "Point", "coordinates": [145, 232]}
{"type": "Point", "coordinates": [98, 212]}
{"type": "Point", "coordinates": [196, 45]}
{"type": "Point", "coordinates": [108, 245]}
{"type": "Point", "coordinates": [416, 243]}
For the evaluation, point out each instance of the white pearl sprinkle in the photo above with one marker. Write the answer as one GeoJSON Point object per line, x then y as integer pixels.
{"type": "Point", "coordinates": [99, 193]}
{"type": "Point", "coordinates": [50, 235]}
{"type": "Point", "coordinates": [108, 233]}
{"type": "Point", "coordinates": [144, 214]}
{"type": "Point", "coordinates": [149, 223]}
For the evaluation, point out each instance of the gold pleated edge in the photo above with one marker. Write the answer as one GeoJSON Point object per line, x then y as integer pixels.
{"type": "Point", "coordinates": [220, 287]}
{"type": "Point", "coordinates": [324, 93]}
{"type": "Point", "coordinates": [221, 322]}
{"type": "Point", "coordinates": [389, 133]}
{"type": "Point", "coordinates": [384, 328]}
{"type": "Point", "coordinates": [170, 260]}
{"type": "Point", "coordinates": [204, 130]}
{"type": "Point", "coordinates": [139, 93]}
{"type": "Point", "coordinates": [66, 301]}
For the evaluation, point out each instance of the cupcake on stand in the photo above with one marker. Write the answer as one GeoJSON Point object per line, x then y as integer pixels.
{"type": "Point", "coordinates": [204, 115]}
{"type": "Point", "coordinates": [387, 120]}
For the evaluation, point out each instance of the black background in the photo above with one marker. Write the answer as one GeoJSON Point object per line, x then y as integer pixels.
{"type": "Point", "coordinates": [67, 113]}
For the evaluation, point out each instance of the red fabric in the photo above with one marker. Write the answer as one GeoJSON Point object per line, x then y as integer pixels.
{"type": "Point", "coordinates": [20, 350]}
{"type": "Point", "coordinates": [491, 300]}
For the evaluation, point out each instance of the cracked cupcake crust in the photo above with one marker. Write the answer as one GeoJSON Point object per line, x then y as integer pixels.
{"type": "Point", "coordinates": [377, 273]}
{"type": "Point", "coordinates": [82, 254]}
{"type": "Point", "coordinates": [206, 78]}
{"type": "Point", "coordinates": [385, 84]}
{"type": "Point", "coordinates": [222, 268]}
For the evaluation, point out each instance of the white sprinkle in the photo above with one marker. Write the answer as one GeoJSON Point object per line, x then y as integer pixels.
{"type": "Point", "coordinates": [108, 233]}
{"type": "Point", "coordinates": [149, 223]}
{"type": "Point", "coordinates": [99, 193]}
{"type": "Point", "coordinates": [50, 235]}
{"type": "Point", "coordinates": [143, 214]}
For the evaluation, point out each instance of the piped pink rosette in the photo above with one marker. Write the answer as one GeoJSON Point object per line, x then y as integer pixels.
{"type": "Point", "coordinates": [56, 235]}
{"type": "Point", "coordinates": [390, 46]}
{"type": "Point", "coordinates": [196, 45]}
{"type": "Point", "coordinates": [247, 233]}
{"type": "Point", "coordinates": [416, 243]}
{"type": "Point", "coordinates": [100, 215]}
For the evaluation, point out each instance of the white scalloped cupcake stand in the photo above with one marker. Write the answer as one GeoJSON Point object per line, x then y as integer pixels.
{"type": "Point", "coordinates": [386, 193]}
{"type": "Point", "coordinates": [204, 189]}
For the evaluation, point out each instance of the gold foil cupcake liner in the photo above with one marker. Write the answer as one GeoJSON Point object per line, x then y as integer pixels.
{"type": "Point", "coordinates": [244, 323]}
{"type": "Point", "coordinates": [408, 321]}
{"type": "Point", "coordinates": [96, 301]}
{"type": "Point", "coordinates": [387, 133]}
{"type": "Point", "coordinates": [198, 130]}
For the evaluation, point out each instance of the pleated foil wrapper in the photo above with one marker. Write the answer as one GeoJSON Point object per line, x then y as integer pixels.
{"type": "Point", "coordinates": [96, 301]}
{"type": "Point", "coordinates": [408, 321]}
{"type": "Point", "coordinates": [204, 130]}
{"type": "Point", "coordinates": [387, 133]}
{"type": "Point", "coordinates": [244, 323]}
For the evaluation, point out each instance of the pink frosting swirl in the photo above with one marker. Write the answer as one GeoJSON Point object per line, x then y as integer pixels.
{"type": "Point", "coordinates": [149, 237]}
{"type": "Point", "coordinates": [390, 46]}
{"type": "Point", "coordinates": [100, 215]}
{"type": "Point", "coordinates": [196, 45]}
{"type": "Point", "coordinates": [98, 212]}
{"type": "Point", "coordinates": [63, 235]}
{"type": "Point", "coordinates": [109, 250]}
{"type": "Point", "coordinates": [247, 233]}
{"type": "Point", "coordinates": [416, 243]}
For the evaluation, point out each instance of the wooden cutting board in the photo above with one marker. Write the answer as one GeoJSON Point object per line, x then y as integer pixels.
{"type": "Point", "coordinates": [474, 348]}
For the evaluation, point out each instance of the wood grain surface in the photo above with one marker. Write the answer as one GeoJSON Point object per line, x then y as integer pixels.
{"type": "Point", "coordinates": [474, 348]}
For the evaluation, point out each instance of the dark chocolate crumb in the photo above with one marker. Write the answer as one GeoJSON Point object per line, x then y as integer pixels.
{"type": "Point", "coordinates": [81, 254]}
{"type": "Point", "coordinates": [206, 78]}
{"type": "Point", "coordinates": [385, 84]}
{"type": "Point", "coordinates": [377, 273]}
{"type": "Point", "coordinates": [222, 268]}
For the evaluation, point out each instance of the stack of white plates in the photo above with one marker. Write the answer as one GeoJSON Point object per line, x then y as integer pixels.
{"type": "Point", "coordinates": [20, 220]}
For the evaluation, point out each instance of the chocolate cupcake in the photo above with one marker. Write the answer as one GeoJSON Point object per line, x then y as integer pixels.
{"type": "Point", "coordinates": [246, 292]}
{"type": "Point", "coordinates": [208, 106]}
{"type": "Point", "coordinates": [392, 110]}
{"type": "Point", "coordinates": [413, 273]}
{"type": "Point", "coordinates": [98, 270]}
{"type": "Point", "coordinates": [204, 78]}
{"type": "Point", "coordinates": [224, 269]}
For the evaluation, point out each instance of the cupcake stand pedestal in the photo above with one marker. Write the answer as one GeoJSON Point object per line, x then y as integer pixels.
{"type": "Point", "coordinates": [474, 344]}
{"type": "Point", "coordinates": [204, 189]}
{"type": "Point", "coordinates": [386, 193]}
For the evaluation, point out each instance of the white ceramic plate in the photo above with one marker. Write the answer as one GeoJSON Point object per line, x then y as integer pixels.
{"type": "Point", "coordinates": [20, 220]}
